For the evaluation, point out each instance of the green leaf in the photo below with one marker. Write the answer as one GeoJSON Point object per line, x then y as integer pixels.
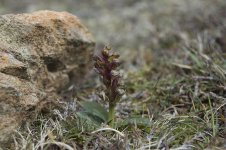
{"type": "Point", "coordinates": [90, 118]}
{"type": "Point", "coordinates": [134, 121]}
{"type": "Point", "coordinates": [95, 109]}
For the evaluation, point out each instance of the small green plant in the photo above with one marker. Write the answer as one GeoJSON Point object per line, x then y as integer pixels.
{"type": "Point", "coordinates": [106, 65]}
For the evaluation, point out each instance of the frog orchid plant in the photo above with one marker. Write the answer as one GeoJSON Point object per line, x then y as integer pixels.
{"type": "Point", "coordinates": [106, 65]}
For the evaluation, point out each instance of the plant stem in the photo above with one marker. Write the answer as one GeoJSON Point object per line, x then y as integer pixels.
{"type": "Point", "coordinates": [111, 114]}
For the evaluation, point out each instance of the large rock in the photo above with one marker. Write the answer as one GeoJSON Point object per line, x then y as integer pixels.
{"type": "Point", "coordinates": [40, 54]}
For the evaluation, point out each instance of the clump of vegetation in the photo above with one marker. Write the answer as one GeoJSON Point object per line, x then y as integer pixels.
{"type": "Point", "coordinates": [172, 106]}
{"type": "Point", "coordinates": [105, 65]}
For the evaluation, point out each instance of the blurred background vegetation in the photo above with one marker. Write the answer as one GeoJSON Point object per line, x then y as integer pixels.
{"type": "Point", "coordinates": [142, 30]}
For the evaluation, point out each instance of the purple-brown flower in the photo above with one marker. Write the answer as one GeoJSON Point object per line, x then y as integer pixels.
{"type": "Point", "coordinates": [106, 64]}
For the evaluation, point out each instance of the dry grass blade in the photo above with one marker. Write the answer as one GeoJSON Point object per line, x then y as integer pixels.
{"type": "Point", "coordinates": [109, 129]}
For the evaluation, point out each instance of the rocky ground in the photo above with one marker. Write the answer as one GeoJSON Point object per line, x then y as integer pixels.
{"type": "Point", "coordinates": [173, 55]}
